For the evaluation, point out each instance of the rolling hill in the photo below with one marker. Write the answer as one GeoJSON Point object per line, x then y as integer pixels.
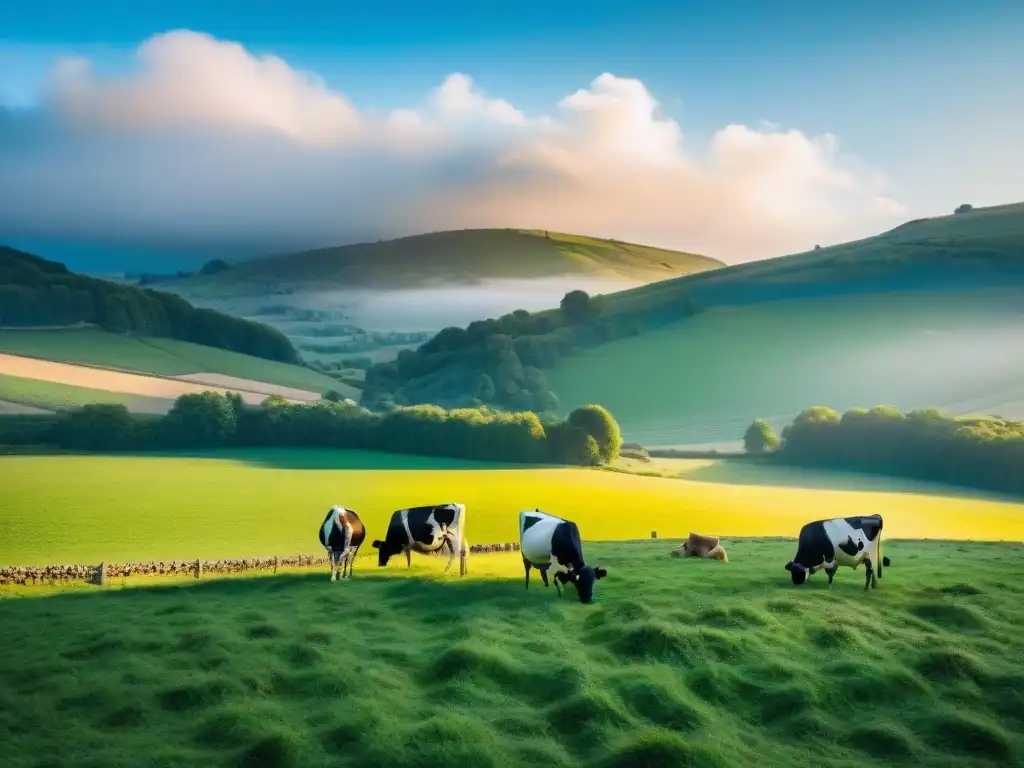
{"type": "Point", "coordinates": [361, 304]}
{"type": "Point", "coordinates": [928, 314]}
{"type": "Point", "coordinates": [448, 258]}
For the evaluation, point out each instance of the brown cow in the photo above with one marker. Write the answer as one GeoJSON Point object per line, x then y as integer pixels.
{"type": "Point", "coordinates": [701, 546]}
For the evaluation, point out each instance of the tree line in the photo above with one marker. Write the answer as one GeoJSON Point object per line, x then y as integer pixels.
{"type": "Point", "coordinates": [589, 436]}
{"type": "Point", "coordinates": [984, 453]}
{"type": "Point", "coordinates": [35, 291]}
{"type": "Point", "coordinates": [500, 361]}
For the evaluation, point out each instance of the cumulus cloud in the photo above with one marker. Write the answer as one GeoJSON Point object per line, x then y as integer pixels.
{"type": "Point", "coordinates": [207, 142]}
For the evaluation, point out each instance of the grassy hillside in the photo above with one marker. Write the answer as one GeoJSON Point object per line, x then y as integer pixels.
{"type": "Point", "coordinates": [261, 502]}
{"type": "Point", "coordinates": [465, 256]}
{"type": "Point", "coordinates": [409, 668]}
{"type": "Point", "coordinates": [35, 292]}
{"type": "Point", "coordinates": [692, 359]}
{"type": "Point", "coordinates": [982, 247]}
{"type": "Point", "coordinates": [702, 381]}
{"type": "Point", "coordinates": [169, 357]}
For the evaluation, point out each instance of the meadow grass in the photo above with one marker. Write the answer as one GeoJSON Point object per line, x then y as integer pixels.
{"type": "Point", "coordinates": [679, 663]}
{"type": "Point", "coordinates": [256, 502]}
{"type": "Point", "coordinates": [702, 381]}
{"type": "Point", "coordinates": [58, 397]}
{"type": "Point", "coordinates": [168, 357]}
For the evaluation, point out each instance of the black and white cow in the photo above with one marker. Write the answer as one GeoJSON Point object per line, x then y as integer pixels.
{"type": "Point", "coordinates": [551, 543]}
{"type": "Point", "coordinates": [828, 544]}
{"type": "Point", "coordinates": [341, 534]}
{"type": "Point", "coordinates": [426, 530]}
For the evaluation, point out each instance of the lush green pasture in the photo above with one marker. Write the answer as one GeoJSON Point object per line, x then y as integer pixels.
{"type": "Point", "coordinates": [57, 397]}
{"type": "Point", "coordinates": [705, 379]}
{"type": "Point", "coordinates": [266, 502]}
{"type": "Point", "coordinates": [162, 356]}
{"type": "Point", "coordinates": [679, 663]}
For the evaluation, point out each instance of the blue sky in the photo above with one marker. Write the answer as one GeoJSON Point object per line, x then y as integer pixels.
{"type": "Point", "coordinates": [929, 93]}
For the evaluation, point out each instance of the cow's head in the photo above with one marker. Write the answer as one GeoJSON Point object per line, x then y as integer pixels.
{"type": "Point", "coordinates": [384, 551]}
{"type": "Point", "coordinates": [797, 571]}
{"type": "Point", "coordinates": [584, 580]}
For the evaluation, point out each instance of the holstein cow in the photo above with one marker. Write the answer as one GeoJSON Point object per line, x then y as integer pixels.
{"type": "Point", "coordinates": [828, 544]}
{"type": "Point", "coordinates": [341, 534]}
{"type": "Point", "coordinates": [551, 543]}
{"type": "Point", "coordinates": [426, 530]}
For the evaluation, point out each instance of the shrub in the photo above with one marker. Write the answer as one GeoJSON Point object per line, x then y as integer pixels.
{"type": "Point", "coordinates": [760, 437]}
{"type": "Point", "coordinates": [212, 420]}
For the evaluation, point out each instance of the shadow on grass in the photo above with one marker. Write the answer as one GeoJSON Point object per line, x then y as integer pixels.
{"type": "Point", "coordinates": [328, 459]}
{"type": "Point", "coordinates": [729, 472]}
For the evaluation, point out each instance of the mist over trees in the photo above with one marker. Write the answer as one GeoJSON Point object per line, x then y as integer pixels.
{"type": "Point", "coordinates": [500, 361]}
{"type": "Point", "coordinates": [38, 292]}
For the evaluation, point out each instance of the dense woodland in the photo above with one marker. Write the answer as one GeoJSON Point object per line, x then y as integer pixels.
{"type": "Point", "coordinates": [37, 292]}
{"type": "Point", "coordinates": [500, 362]}
{"type": "Point", "coordinates": [985, 453]}
{"type": "Point", "coordinates": [590, 436]}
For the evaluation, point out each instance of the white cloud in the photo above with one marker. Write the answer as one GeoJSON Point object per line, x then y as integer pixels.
{"type": "Point", "coordinates": [206, 140]}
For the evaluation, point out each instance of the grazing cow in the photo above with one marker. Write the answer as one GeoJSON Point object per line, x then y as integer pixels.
{"type": "Point", "coordinates": [551, 543]}
{"type": "Point", "coordinates": [702, 546]}
{"type": "Point", "coordinates": [341, 534]}
{"type": "Point", "coordinates": [828, 544]}
{"type": "Point", "coordinates": [427, 530]}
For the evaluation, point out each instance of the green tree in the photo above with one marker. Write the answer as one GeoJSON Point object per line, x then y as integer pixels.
{"type": "Point", "coordinates": [760, 437]}
{"type": "Point", "coordinates": [204, 420]}
{"type": "Point", "coordinates": [99, 427]}
{"type": "Point", "coordinates": [596, 421]}
{"type": "Point", "coordinates": [577, 306]}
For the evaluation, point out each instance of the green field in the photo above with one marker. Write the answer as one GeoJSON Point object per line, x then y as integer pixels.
{"type": "Point", "coordinates": [679, 663]}
{"type": "Point", "coordinates": [261, 502]}
{"type": "Point", "coordinates": [463, 256]}
{"type": "Point", "coordinates": [985, 243]}
{"type": "Point", "coordinates": [703, 380]}
{"type": "Point", "coordinates": [162, 356]}
{"type": "Point", "coordinates": [52, 396]}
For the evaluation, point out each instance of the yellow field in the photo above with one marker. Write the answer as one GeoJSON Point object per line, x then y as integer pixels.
{"type": "Point", "coordinates": [88, 508]}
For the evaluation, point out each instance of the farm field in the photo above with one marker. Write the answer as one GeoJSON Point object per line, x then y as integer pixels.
{"type": "Point", "coordinates": [68, 385]}
{"type": "Point", "coordinates": [261, 502]}
{"type": "Point", "coordinates": [54, 396]}
{"type": "Point", "coordinates": [679, 663]}
{"type": "Point", "coordinates": [702, 381]}
{"type": "Point", "coordinates": [167, 357]}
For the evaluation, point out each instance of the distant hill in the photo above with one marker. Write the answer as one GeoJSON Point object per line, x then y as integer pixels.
{"type": "Point", "coordinates": [36, 292]}
{"type": "Point", "coordinates": [930, 313]}
{"type": "Point", "coordinates": [454, 257]}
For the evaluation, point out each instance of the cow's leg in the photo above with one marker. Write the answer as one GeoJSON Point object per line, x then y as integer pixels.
{"type": "Point", "coordinates": [346, 561]}
{"type": "Point", "coordinates": [408, 557]}
{"type": "Point", "coordinates": [831, 571]}
{"type": "Point", "coordinates": [331, 556]}
{"type": "Point", "coordinates": [869, 572]}
{"type": "Point", "coordinates": [544, 575]}
{"type": "Point", "coordinates": [526, 565]}
{"type": "Point", "coordinates": [352, 561]}
{"type": "Point", "coordinates": [451, 549]}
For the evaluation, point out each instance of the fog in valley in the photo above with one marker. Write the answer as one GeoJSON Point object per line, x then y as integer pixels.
{"type": "Point", "coordinates": [434, 308]}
